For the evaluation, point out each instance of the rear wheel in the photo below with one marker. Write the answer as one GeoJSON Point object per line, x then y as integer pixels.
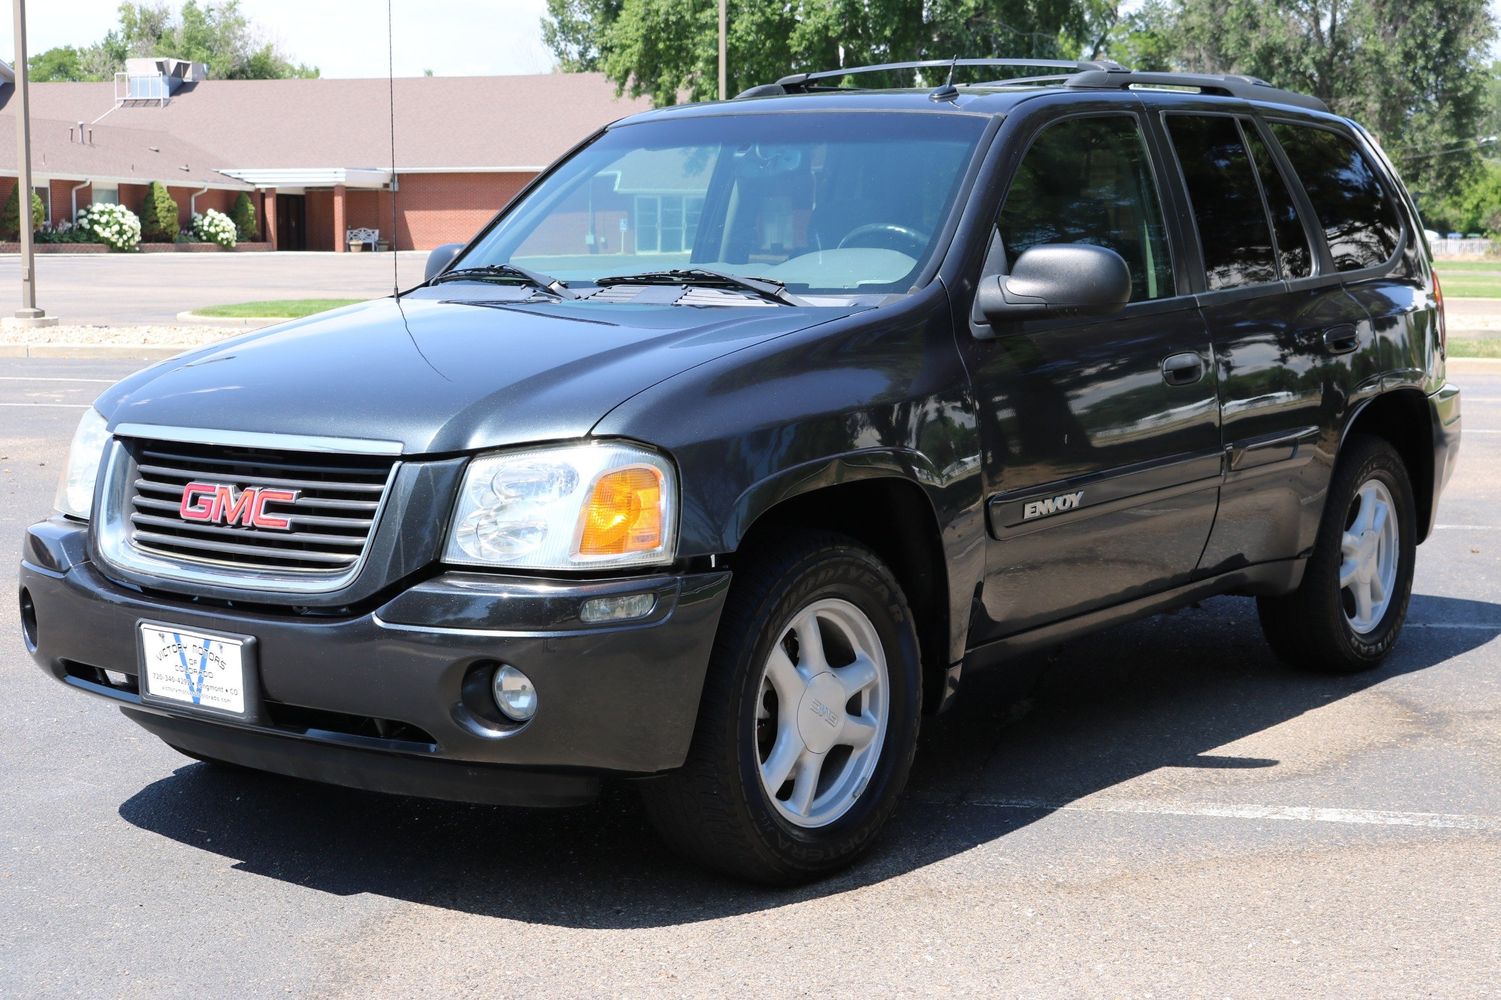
{"type": "Point", "coordinates": [1349, 610]}
{"type": "Point", "coordinates": [809, 717]}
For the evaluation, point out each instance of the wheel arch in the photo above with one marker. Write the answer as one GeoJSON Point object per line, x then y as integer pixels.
{"type": "Point", "coordinates": [876, 499]}
{"type": "Point", "coordinates": [1401, 417]}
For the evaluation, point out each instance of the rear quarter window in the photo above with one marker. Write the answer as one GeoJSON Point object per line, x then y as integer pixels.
{"type": "Point", "coordinates": [1358, 218]}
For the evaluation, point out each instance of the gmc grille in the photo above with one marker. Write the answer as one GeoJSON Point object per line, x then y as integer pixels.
{"type": "Point", "coordinates": [330, 521]}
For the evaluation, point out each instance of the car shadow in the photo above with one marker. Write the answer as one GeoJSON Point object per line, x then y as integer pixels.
{"type": "Point", "coordinates": [1032, 735]}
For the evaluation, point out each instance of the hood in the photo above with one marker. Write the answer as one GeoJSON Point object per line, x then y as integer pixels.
{"type": "Point", "coordinates": [458, 371]}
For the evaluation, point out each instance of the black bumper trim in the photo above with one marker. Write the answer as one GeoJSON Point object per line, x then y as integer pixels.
{"type": "Point", "coordinates": [395, 774]}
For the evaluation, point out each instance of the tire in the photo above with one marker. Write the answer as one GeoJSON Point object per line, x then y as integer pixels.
{"type": "Point", "coordinates": [1325, 626]}
{"type": "Point", "coordinates": [717, 808]}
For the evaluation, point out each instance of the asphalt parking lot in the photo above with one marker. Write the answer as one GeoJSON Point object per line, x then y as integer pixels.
{"type": "Point", "coordinates": [1159, 810]}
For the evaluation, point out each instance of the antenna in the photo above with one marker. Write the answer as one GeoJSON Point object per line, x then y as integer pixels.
{"type": "Point", "coordinates": [391, 88]}
{"type": "Point", "coordinates": [948, 91]}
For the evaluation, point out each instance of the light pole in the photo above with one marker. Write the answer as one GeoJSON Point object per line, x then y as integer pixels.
{"type": "Point", "coordinates": [723, 96]}
{"type": "Point", "coordinates": [28, 314]}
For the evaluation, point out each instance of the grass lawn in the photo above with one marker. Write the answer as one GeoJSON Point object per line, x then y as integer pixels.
{"type": "Point", "coordinates": [1471, 347]}
{"type": "Point", "coordinates": [276, 308]}
{"type": "Point", "coordinates": [1461, 266]}
{"type": "Point", "coordinates": [1470, 279]}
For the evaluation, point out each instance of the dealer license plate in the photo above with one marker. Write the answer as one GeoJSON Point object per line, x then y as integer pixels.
{"type": "Point", "coordinates": [193, 668]}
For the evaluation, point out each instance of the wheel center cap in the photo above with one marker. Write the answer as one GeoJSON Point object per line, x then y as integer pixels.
{"type": "Point", "coordinates": [820, 715]}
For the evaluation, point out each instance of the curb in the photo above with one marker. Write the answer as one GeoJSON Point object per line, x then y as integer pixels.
{"type": "Point", "coordinates": [95, 352]}
{"type": "Point", "coordinates": [232, 322]}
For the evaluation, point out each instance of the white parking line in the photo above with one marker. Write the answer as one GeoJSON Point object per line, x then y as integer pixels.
{"type": "Point", "coordinates": [1306, 814]}
{"type": "Point", "coordinates": [43, 378]}
{"type": "Point", "coordinates": [1467, 527]}
{"type": "Point", "coordinates": [1480, 430]}
{"type": "Point", "coordinates": [68, 406]}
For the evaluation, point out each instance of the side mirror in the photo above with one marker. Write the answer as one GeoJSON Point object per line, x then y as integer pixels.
{"type": "Point", "coordinates": [1057, 279]}
{"type": "Point", "coordinates": [439, 259]}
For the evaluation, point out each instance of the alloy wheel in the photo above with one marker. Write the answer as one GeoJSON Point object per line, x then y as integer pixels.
{"type": "Point", "coordinates": [822, 713]}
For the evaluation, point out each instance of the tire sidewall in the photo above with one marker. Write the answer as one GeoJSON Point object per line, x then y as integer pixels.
{"type": "Point", "coordinates": [852, 576]}
{"type": "Point", "coordinates": [1382, 464]}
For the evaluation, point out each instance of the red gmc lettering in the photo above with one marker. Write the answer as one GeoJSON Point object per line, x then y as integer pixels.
{"type": "Point", "coordinates": [218, 503]}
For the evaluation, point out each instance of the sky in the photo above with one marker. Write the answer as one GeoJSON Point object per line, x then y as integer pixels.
{"type": "Point", "coordinates": [343, 38]}
{"type": "Point", "coordinates": [347, 38]}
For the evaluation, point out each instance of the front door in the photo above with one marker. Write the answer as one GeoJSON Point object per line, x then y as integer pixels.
{"type": "Point", "coordinates": [1101, 436]}
{"type": "Point", "coordinates": [291, 222]}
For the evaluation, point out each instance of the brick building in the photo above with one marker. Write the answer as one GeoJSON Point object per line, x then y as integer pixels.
{"type": "Point", "coordinates": [316, 154]}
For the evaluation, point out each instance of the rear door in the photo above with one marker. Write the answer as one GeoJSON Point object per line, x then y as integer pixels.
{"type": "Point", "coordinates": [1283, 329]}
{"type": "Point", "coordinates": [1101, 467]}
{"type": "Point", "coordinates": [1293, 347]}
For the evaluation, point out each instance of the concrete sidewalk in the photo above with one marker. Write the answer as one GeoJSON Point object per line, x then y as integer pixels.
{"type": "Point", "coordinates": [151, 289]}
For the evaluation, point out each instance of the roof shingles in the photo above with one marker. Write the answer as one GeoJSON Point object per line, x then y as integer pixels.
{"type": "Point", "coordinates": [487, 123]}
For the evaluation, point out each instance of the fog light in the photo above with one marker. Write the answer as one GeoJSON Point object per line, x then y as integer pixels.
{"type": "Point", "coordinates": [617, 609]}
{"type": "Point", "coordinates": [514, 694]}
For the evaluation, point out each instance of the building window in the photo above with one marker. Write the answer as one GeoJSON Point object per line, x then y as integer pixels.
{"type": "Point", "coordinates": [45, 193]}
{"type": "Point", "coordinates": [667, 223]}
{"type": "Point", "coordinates": [105, 194]}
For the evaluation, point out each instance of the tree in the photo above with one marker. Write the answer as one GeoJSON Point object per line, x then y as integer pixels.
{"type": "Point", "coordinates": [10, 214]}
{"type": "Point", "coordinates": [62, 63]}
{"type": "Point", "coordinates": [216, 34]}
{"type": "Point", "coordinates": [572, 29]}
{"type": "Point", "coordinates": [160, 216]}
{"type": "Point", "coordinates": [668, 49]}
{"type": "Point", "coordinates": [243, 216]}
{"type": "Point", "coordinates": [1414, 72]}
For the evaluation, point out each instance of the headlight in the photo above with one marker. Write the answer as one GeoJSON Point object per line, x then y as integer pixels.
{"type": "Point", "coordinates": [75, 490]}
{"type": "Point", "coordinates": [571, 507]}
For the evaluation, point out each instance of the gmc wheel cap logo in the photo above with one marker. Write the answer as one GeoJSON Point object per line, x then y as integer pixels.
{"type": "Point", "coordinates": [220, 503]}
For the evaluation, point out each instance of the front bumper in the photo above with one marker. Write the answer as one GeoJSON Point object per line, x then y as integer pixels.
{"type": "Point", "coordinates": [396, 697]}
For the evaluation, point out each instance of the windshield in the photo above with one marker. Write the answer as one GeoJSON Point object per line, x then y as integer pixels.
{"type": "Point", "coordinates": [821, 202]}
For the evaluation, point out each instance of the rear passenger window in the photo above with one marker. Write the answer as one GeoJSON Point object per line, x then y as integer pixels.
{"type": "Point", "coordinates": [1089, 180]}
{"type": "Point", "coordinates": [1233, 229]}
{"type": "Point", "coordinates": [1293, 252]}
{"type": "Point", "coordinates": [1359, 220]}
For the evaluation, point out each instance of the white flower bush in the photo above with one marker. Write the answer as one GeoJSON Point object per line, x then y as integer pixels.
{"type": "Point", "coordinates": [113, 225]}
{"type": "Point", "coordinates": [214, 226]}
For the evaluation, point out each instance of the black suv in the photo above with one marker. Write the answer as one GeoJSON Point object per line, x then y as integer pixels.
{"type": "Point", "coordinates": [722, 453]}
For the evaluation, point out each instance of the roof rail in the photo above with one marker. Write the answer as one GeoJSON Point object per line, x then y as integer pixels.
{"type": "Point", "coordinates": [801, 83]}
{"type": "Point", "coordinates": [1245, 87]}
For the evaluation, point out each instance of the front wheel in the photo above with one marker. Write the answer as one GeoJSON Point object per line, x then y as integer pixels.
{"type": "Point", "coordinates": [1347, 613]}
{"type": "Point", "coordinates": [809, 717]}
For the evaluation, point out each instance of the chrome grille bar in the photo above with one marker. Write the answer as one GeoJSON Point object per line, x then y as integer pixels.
{"type": "Point", "coordinates": [329, 521]}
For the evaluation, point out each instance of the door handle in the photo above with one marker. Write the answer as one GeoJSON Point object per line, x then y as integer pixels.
{"type": "Point", "coordinates": [1341, 339]}
{"type": "Point", "coordinates": [1182, 369]}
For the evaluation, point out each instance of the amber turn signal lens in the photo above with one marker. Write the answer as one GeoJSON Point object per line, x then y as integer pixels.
{"type": "Point", "coordinates": [624, 513]}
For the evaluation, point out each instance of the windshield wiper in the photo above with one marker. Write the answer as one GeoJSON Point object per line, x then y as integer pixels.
{"type": "Point", "coordinates": [766, 288]}
{"type": "Point", "coordinates": [544, 282]}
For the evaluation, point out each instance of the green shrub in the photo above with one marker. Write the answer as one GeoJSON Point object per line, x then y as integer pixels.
{"type": "Point", "coordinates": [65, 233]}
{"type": "Point", "coordinates": [160, 219]}
{"type": "Point", "coordinates": [243, 215]}
{"type": "Point", "coordinates": [10, 215]}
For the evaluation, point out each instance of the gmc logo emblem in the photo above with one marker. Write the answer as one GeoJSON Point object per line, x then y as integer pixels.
{"type": "Point", "coordinates": [219, 503]}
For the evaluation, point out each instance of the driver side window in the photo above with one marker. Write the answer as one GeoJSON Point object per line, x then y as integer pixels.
{"type": "Point", "coordinates": [1089, 180]}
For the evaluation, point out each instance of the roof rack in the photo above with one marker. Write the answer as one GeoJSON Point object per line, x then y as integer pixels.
{"type": "Point", "coordinates": [1247, 88]}
{"type": "Point", "coordinates": [1099, 74]}
{"type": "Point", "coordinates": [802, 83]}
